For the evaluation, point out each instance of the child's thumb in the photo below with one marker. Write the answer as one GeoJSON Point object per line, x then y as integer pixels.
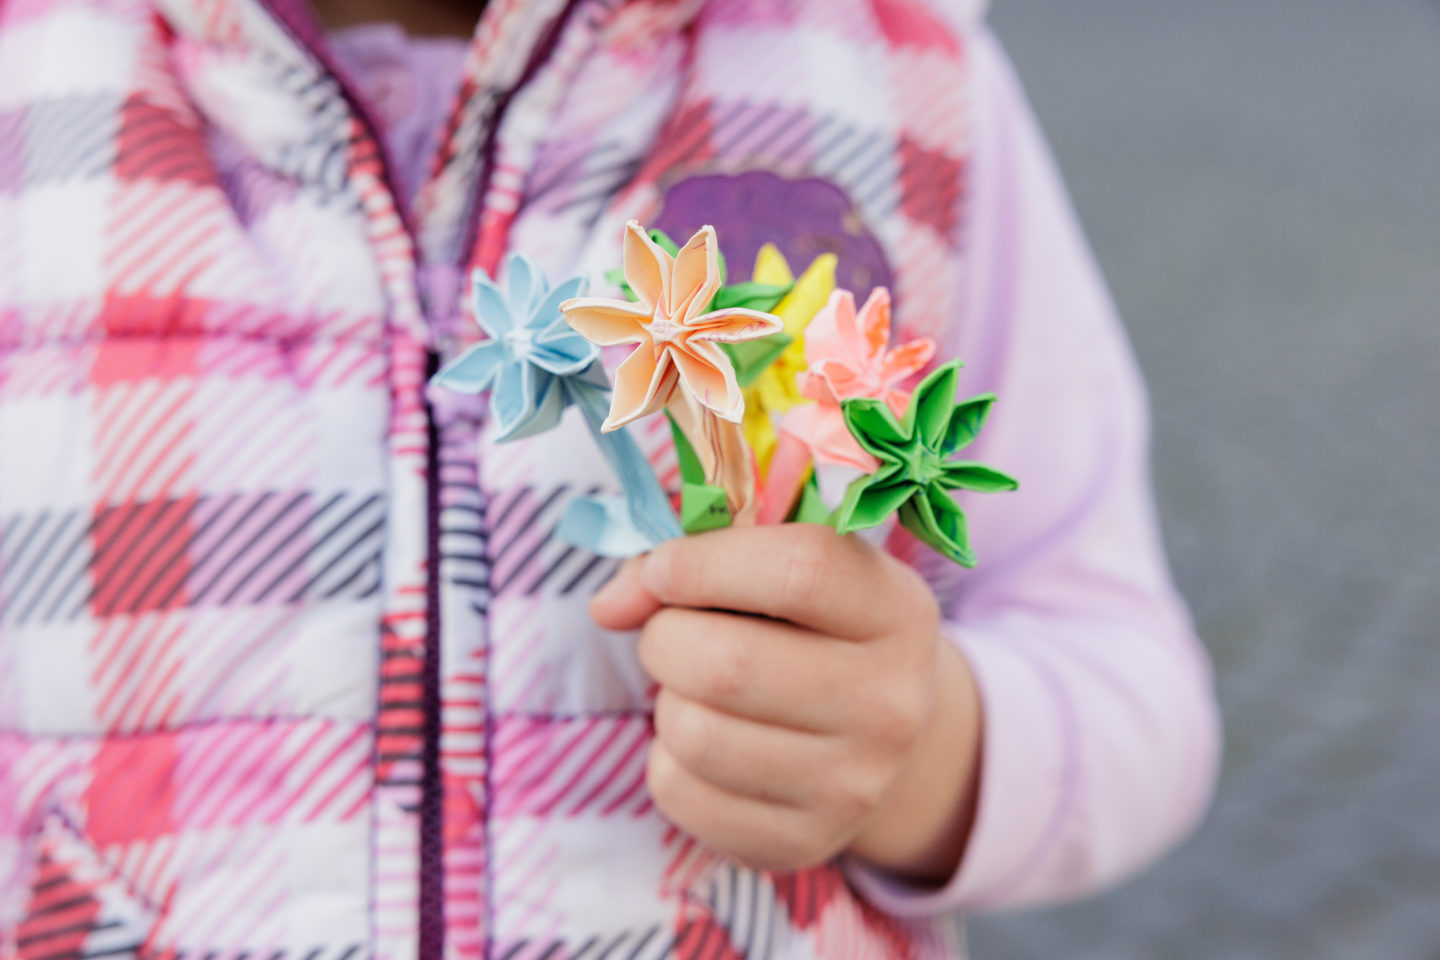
{"type": "Point", "coordinates": [624, 603]}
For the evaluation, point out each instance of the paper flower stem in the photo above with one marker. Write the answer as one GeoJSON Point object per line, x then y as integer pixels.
{"type": "Point", "coordinates": [789, 468]}
{"type": "Point", "coordinates": [649, 506]}
{"type": "Point", "coordinates": [720, 448]}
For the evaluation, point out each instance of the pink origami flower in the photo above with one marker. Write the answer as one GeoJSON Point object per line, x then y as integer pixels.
{"type": "Point", "coordinates": [849, 356]}
{"type": "Point", "coordinates": [678, 342]}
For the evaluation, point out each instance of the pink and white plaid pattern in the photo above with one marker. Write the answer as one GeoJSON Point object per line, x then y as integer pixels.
{"type": "Point", "coordinates": [221, 493]}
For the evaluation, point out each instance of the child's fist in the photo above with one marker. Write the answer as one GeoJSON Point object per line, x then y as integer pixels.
{"type": "Point", "coordinates": [799, 676]}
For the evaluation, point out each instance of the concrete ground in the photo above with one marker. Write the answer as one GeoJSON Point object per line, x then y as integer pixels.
{"type": "Point", "coordinates": [1261, 180]}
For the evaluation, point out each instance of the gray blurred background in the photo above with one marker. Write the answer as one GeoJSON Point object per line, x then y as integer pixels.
{"type": "Point", "coordinates": [1261, 182]}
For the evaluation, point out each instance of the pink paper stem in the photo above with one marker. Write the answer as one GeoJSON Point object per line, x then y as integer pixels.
{"type": "Point", "coordinates": [789, 468]}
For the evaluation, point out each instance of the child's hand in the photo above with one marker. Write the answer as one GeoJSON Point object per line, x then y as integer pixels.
{"type": "Point", "coordinates": [807, 704]}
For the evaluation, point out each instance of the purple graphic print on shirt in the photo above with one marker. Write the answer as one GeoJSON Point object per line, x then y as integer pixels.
{"type": "Point", "coordinates": [803, 218]}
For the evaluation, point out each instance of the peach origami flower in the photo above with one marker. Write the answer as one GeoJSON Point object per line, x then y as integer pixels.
{"type": "Point", "coordinates": [850, 356]}
{"type": "Point", "coordinates": [677, 342]}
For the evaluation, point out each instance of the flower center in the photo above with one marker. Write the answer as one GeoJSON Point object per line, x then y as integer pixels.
{"type": "Point", "coordinates": [521, 342]}
{"type": "Point", "coordinates": [923, 465]}
{"type": "Point", "coordinates": [664, 330]}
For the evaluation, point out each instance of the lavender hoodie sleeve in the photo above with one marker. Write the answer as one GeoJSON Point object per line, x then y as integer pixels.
{"type": "Point", "coordinates": [1101, 735]}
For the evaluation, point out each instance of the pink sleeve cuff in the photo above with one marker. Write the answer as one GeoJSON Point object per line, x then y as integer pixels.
{"type": "Point", "coordinates": [1026, 779]}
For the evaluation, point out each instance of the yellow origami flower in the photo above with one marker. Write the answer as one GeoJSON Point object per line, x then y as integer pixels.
{"type": "Point", "coordinates": [775, 390]}
{"type": "Point", "coordinates": [677, 341]}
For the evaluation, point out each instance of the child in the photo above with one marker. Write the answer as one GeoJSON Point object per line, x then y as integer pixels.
{"type": "Point", "coordinates": [291, 663]}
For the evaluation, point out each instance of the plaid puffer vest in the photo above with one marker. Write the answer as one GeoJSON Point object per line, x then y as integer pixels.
{"type": "Point", "coordinates": [291, 664]}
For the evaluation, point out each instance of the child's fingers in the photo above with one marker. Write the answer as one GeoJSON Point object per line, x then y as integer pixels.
{"type": "Point", "coordinates": [763, 761]}
{"type": "Point", "coordinates": [804, 573]}
{"type": "Point", "coordinates": [764, 670]}
{"type": "Point", "coordinates": [624, 603]}
{"type": "Point", "coordinates": [762, 835]}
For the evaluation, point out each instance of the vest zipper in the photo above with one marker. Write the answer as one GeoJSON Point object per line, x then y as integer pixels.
{"type": "Point", "coordinates": [432, 852]}
{"type": "Point", "coordinates": [296, 18]}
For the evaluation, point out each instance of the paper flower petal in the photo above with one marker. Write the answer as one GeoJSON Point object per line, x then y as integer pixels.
{"type": "Point", "coordinates": [735, 325]}
{"type": "Point", "coordinates": [811, 291]}
{"type": "Point", "coordinates": [706, 373]}
{"type": "Point", "coordinates": [874, 326]}
{"type": "Point", "coordinates": [965, 475]}
{"type": "Point", "coordinates": [492, 310]}
{"type": "Point", "coordinates": [907, 360]}
{"type": "Point", "coordinates": [607, 322]}
{"type": "Point", "coordinates": [643, 385]}
{"type": "Point", "coordinates": [560, 350]}
{"type": "Point", "coordinates": [513, 398]}
{"type": "Point", "coordinates": [647, 267]}
{"type": "Point", "coordinates": [834, 334]}
{"type": "Point", "coordinates": [771, 268]}
{"type": "Point", "coordinates": [875, 427]}
{"type": "Point", "coordinates": [928, 415]}
{"type": "Point", "coordinates": [474, 370]}
{"type": "Point", "coordinates": [524, 286]}
{"type": "Point", "coordinates": [938, 521]}
{"type": "Point", "coordinates": [696, 276]}
{"type": "Point", "coordinates": [561, 357]}
{"type": "Point", "coordinates": [550, 306]}
{"type": "Point", "coordinates": [830, 381]}
{"type": "Point", "coordinates": [824, 433]}
{"type": "Point", "coordinates": [965, 422]}
{"type": "Point", "coordinates": [869, 501]}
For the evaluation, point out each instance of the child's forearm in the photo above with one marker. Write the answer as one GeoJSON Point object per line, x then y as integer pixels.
{"type": "Point", "coordinates": [920, 830]}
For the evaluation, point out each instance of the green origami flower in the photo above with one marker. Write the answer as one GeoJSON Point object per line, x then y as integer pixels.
{"type": "Point", "coordinates": [916, 475]}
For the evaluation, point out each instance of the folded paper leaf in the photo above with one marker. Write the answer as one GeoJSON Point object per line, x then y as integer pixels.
{"type": "Point", "coordinates": [915, 475]}
{"type": "Point", "coordinates": [703, 507]}
{"type": "Point", "coordinates": [753, 296]}
{"type": "Point", "coordinates": [753, 357]}
{"type": "Point", "coordinates": [677, 340]}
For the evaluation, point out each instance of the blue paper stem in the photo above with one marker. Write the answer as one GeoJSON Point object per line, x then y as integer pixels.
{"type": "Point", "coordinates": [648, 504]}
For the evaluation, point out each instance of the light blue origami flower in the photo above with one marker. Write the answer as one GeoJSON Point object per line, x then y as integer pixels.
{"type": "Point", "coordinates": [535, 365]}
{"type": "Point", "coordinates": [530, 353]}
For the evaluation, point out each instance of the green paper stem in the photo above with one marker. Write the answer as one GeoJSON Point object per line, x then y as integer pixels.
{"type": "Point", "coordinates": [691, 471]}
{"type": "Point", "coordinates": [809, 508]}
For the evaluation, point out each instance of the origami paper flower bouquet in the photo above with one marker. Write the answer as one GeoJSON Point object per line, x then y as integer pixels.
{"type": "Point", "coordinates": [762, 382]}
